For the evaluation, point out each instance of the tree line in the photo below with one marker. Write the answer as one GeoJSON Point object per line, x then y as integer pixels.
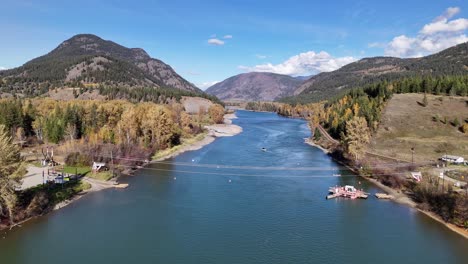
{"type": "Point", "coordinates": [115, 121]}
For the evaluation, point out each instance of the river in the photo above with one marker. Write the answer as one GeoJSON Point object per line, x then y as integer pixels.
{"type": "Point", "coordinates": [183, 211]}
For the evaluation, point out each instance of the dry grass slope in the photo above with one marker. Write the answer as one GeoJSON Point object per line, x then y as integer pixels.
{"type": "Point", "coordinates": [407, 123]}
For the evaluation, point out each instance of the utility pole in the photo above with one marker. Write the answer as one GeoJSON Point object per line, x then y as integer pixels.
{"type": "Point", "coordinates": [112, 164]}
{"type": "Point", "coordinates": [412, 155]}
{"type": "Point", "coordinates": [443, 181]}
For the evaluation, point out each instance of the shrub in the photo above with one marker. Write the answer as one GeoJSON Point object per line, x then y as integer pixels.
{"type": "Point", "coordinates": [464, 128]}
{"type": "Point", "coordinates": [317, 134]}
{"type": "Point", "coordinates": [78, 159]}
{"type": "Point", "coordinates": [444, 147]}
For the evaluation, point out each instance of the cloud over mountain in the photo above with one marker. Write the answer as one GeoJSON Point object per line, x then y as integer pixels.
{"type": "Point", "coordinates": [443, 32]}
{"type": "Point", "coordinates": [306, 63]}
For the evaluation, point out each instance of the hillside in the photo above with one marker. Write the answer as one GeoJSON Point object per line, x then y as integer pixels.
{"type": "Point", "coordinates": [452, 61]}
{"type": "Point", "coordinates": [255, 86]}
{"type": "Point", "coordinates": [405, 123]}
{"type": "Point", "coordinates": [87, 60]}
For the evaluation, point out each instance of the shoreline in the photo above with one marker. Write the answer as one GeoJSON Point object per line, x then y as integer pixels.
{"type": "Point", "coordinates": [214, 131]}
{"type": "Point", "coordinates": [310, 142]}
{"type": "Point", "coordinates": [398, 196]}
{"type": "Point", "coordinates": [217, 130]}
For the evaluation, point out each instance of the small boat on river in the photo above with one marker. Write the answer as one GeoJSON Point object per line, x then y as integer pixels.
{"type": "Point", "coordinates": [347, 191]}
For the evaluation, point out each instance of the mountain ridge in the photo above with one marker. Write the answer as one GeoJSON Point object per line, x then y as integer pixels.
{"type": "Point", "coordinates": [451, 61]}
{"type": "Point", "coordinates": [89, 59]}
{"type": "Point", "coordinates": [255, 86]}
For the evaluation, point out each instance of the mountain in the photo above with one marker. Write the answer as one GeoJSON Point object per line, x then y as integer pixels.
{"type": "Point", "coordinates": [255, 86]}
{"type": "Point", "coordinates": [87, 59]}
{"type": "Point", "coordinates": [303, 78]}
{"type": "Point", "coordinates": [452, 61]}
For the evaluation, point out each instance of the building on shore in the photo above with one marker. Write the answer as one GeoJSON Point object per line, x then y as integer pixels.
{"type": "Point", "coordinates": [453, 159]}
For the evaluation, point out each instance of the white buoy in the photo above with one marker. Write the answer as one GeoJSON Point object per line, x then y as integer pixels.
{"type": "Point", "coordinates": [229, 180]}
{"type": "Point", "coordinates": [193, 160]}
{"type": "Point", "coordinates": [175, 178]}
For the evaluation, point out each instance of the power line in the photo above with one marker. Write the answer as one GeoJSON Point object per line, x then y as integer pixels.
{"type": "Point", "coordinates": [254, 175]}
{"type": "Point", "coordinates": [271, 168]}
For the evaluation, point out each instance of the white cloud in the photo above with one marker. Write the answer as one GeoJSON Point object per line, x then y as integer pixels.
{"type": "Point", "coordinates": [215, 42]}
{"type": "Point", "coordinates": [449, 13]}
{"type": "Point", "coordinates": [445, 26]}
{"type": "Point", "coordinates": [2, 68]}
{"type": "Point", "coordinates": [260, 56]}
{"type": "Point", "coordinates": [227, 37]}
{"type": "Point", "coordinates": [306, 63]}
{"type": "Point", "coordinates": [438, 35]}
{"type": "Point", "coordinates": [205, 85]}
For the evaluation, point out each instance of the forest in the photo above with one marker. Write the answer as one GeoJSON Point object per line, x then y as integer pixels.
{"type": "Point", "coordinates": [116, 121]}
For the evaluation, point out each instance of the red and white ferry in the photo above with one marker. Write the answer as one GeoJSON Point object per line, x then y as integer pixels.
{"type": "Point", "coordinates": [348, 191]}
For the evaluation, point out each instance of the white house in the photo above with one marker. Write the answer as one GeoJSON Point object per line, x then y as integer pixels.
{"type": "Point", "coordinates": [453, 159]}
{"type": "Point", "coordinates": [97, 166]}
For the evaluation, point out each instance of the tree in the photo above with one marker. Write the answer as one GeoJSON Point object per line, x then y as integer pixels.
{"type": "Point", "coordinates": [11, 171]}
{"type": "Point", "coordinates": [216, 113]}
{"type": "Point", "coordinates": [357, 136]}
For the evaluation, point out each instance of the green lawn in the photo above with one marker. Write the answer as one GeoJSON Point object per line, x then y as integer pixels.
{"type": "Point", "coordinates": [79, 170]}
{"type": "Point", "coordinates": [86, 171]}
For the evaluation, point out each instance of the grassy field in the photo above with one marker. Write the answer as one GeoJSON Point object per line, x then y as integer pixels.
{"type": "Point", "coordinates": [406, 123]}
{"type": "Point", "coordinates": [86, 171]}
{"type": "Point", "coordinates": [79, 170]}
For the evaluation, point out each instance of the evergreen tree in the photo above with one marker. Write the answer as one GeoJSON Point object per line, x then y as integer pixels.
{"type": "Point", "coordinates": [11, 171]}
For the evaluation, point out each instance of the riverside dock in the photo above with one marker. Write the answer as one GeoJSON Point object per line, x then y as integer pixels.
{"type": "Point", "coordinates": [347, 191]}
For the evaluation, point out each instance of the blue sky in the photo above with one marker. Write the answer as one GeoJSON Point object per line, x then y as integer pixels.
{"type": "Point", "coordinates": [208, 41]}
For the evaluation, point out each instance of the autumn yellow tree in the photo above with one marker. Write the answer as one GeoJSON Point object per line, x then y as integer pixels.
{"type": "Point", "coordinates": [216, 113]}
{"type": "Point", "coordinates": [357, 137]}
{"type": "Point", "coordinates": [186, 122]}
{"type": "Point", "coordinates": [157, 125]}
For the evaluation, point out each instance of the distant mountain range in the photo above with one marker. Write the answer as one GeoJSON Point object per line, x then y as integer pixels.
{"type": "Point", "coordinates": [263, 86]}
{"type": "Point", "coordinates": [452, 61]}
{"type": "Point", "coordinates": [255, 86]}
{"type": "Point", "coordinates": [88, 59]}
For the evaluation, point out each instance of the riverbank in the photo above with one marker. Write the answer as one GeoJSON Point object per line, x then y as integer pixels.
{"type": "Point", "coordinates": [310, 142]}
{"type": "Point", "coordinates": [95, 186]}
{"type": "Point", "coordinates": [398, 196]}
{"type": "Point", "coordinates": [213, 131]}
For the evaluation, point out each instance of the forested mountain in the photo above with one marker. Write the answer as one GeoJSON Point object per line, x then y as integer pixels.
{"type": "Point", "coordinates": [87, 60]}
{"type": "Point", "coordinates": [452, 61]}
{"type": "Point", "coordinates": [255, 86]}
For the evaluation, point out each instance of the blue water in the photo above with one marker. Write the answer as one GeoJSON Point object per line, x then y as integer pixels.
{"type": "Point", "coordinates": [178, 212]}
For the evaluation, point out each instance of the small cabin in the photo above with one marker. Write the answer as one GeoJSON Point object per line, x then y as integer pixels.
{"type": "Point", "coordinates": [453, 159]}
{"type": "Point", "coordinates": [99, 166]}
{"type": "Point", "coordinates": [350, 188]}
